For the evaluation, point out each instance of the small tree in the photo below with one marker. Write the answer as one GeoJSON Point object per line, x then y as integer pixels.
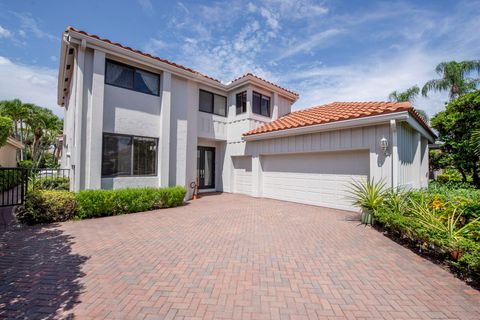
{"type": "Point", "coordinates": [456, 126]}
{"type": "Point", "coordinates": [6, 125]}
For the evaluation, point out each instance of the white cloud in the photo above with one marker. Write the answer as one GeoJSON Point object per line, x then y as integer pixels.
{"type": "Point", "coordinates": [311, 43]}
{"type": "Point", "coordinates": [4, 33]}
{"type": "Point", "coordinates": [297, 9]}
{"type": "Point", "coordinates": [183, 7]}
{"type": "Point", "coordinates": [28, 23]}
{"type": "Point", "coordinates": [29, 84]}
{"type": "Point", "coordinates": [146, 5]}
{"type": "Point", "coordinates": [154, 45]}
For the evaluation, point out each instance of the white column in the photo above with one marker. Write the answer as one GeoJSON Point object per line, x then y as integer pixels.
{"type": "Point", "coordinates": [77, 172]}
{"type": "Point", "coordinates": [417, 160]}
{"type": "Point", "coordinates": [393, 134]}
{"type": "Point", "coordinates": [164, 141]}
{"type": "Point", "coordinates": [249, 100]}
{"type": "Point", "coordinates": [257, 176]}
{"type": "Point", "coordinates": [275, 106]}
{"type": "Point", "coordinates": [95, 124]}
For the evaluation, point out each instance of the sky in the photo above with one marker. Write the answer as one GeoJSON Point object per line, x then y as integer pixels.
{"type": "Point", "coordinates": [325, 50]}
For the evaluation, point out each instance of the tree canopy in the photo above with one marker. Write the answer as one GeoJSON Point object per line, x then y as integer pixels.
{"type": "Point", "coordinates": [456, 126]}
{"type": "Point", "coordinates": [6, 125]}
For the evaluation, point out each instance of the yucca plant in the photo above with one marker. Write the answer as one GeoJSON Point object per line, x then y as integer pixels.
{"type": "Point", "coordinates": [367, 195]}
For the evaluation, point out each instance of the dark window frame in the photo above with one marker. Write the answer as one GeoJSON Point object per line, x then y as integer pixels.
{"type": "Point", "coordinates": [132, 137]}
{"type": "Point", "coordinates": [213, 103]}
{"type": "Point", "coordinates": [134, 69]}
{"type": "Point", "coordinates": [243, 107]}
{"type": "Point", "coordinates": [269, 108]}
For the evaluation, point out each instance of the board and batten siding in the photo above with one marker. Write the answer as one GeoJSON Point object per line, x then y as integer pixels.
{"type": "Point", "coordinates": [363, 138]}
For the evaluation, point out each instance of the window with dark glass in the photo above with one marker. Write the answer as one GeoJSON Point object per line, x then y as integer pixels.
{"type": "Point", "coordinates": [213, 103]}
{"type": "Point", "coordinates": [241, 102]}
{"type": "Point", "coordinates": [124, 155]}
{"type": "Point", "coordinates": [128, 77]}
{"type": "Point", "coordinates": [261, 104]}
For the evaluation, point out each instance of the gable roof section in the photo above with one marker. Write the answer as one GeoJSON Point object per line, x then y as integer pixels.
{"type": "Point", "coordinates": [337, 111]}
{"type": "Point", "coordinates": [251, 75]}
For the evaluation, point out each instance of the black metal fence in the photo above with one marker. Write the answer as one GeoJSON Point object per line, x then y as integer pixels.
{"type": "Point", "coordinates": [13, 186]}
{"type": "Point", "coordinates": [15, 182]}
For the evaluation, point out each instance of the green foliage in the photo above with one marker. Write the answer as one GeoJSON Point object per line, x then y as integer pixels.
{"type": "Point", "coordinates": [454, 78]}
{"type": "Point", "coordinates": [443, 218]}
{"type": "Point", "coordinates": [476, 141]}
{"type": "Point", "coordinates": [367, 194]}
{"type": "Point", "coordinates": [47, 206]}
{"type": "Point", "coordinates": [27, 164]}
{"type": "Point", "coordinates": [51, 183]}
{"type": "Point", "coordinates": [6, 125]}
{"type": "Point", "coordinates": [455, 126]}
{"type": "Point", "coordinates": [408, 95]}
{"type": "Point", "coordinates": [9, 179]}
{"type": "Point", "coordinates": [100, 203]}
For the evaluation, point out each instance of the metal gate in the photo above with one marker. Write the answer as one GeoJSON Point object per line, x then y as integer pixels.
{"type": "Point", "coordinates": [13, 186]}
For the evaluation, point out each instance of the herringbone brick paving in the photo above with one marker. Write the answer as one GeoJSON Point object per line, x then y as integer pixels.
{"type": "Point", "coordinates": [225, 257]}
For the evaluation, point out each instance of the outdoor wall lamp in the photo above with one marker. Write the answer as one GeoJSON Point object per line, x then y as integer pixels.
{"type": "Point", "coordinates": [384, 145]}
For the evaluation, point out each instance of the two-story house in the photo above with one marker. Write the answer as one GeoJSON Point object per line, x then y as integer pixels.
{"type": "Point", "coordinates": [132, 119]}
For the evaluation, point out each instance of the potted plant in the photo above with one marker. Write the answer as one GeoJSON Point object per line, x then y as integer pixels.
{"type": "Point", "coordinates": [368, 196]}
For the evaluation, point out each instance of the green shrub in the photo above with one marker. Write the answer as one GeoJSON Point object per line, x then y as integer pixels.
{"type": "Point", "coordinates": [100, 203]}
{"type": "Point", "coordinates": [27, 164]}
{"type": "Point", "coordinates": [47, 206]}
{"type": "Point", "coordinates": [51, 183]}
{"type": "Point", "coordinates": [9, 179]}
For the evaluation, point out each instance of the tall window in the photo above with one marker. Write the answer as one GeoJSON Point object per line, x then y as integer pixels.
{"type": "Point", "coordinates": [121, 75]}
{"type": "Point", "coordinates": [241, 102]}
{"type": "Point", "coordinates": [261, 104]}
{"type": "Point", "coordinates": [124, 155]}
{"type": "Point", "coordinates": [213, 103]}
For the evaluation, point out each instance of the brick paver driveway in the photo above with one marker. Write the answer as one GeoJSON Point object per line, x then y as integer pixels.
{"type": "Point", "coordinates": [223, 256]}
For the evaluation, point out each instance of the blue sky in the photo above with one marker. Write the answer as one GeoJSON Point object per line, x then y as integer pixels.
{"type": "Point", "coordinates": [325, 50]}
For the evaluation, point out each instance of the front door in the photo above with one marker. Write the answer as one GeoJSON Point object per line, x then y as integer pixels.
{"type": "Point", "coordinates": [206, 167]}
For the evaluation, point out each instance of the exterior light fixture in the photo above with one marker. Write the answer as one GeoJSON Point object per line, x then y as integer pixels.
{"type": "Point", "coordinates": [384, 145]}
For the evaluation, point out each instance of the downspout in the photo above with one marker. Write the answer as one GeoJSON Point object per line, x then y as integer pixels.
{"type": "Point", "coordinates": [393, 134]}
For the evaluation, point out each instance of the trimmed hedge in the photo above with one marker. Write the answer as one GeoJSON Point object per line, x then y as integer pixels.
{"type": "Point", "coordinates": [45, 206]}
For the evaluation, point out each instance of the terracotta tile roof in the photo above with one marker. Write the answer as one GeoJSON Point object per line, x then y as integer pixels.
{"type": "Point", "coordinates": [337, 111]}
{"type": "Point", "coordinates": [142, 53]}
{"type": "Point", "coordinates": [273, 84]}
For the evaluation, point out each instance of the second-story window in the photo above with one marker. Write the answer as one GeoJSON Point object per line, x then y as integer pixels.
{"type": "Point", "coordinates": [213, 103]}
{"type": "Point", "coordinates": [241, 102]}
{"type": "Point", "coordinates": [121, 75]}
{"type": "Point", "coordinates": [261, 104]}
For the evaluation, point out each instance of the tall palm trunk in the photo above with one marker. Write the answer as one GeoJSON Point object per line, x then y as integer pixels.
{"type": "Point", "coordinates": [37, 136]}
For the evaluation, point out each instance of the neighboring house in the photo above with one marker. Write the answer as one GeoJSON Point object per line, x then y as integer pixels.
{"type": "Point", "coordinates": [8, 152]}
{"type": "Point", "coordinates": [132, 120]}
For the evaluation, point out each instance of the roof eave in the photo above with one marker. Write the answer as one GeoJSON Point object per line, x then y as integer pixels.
{"type": "Point", "coordinates": [343, 124]}
{"type": "Point", "coordinates": [61, 70]}
{"type": "Point", "coordinates": [265, 84]}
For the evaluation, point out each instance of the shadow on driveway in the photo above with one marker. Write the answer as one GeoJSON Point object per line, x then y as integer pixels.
{"type": "Point", "coordinates": [39, 274]}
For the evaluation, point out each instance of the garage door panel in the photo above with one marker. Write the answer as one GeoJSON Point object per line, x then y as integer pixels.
{"type": "Point", "coordinates": [316, 178]}
{"type": "Point", "coordinates": [242, 175]}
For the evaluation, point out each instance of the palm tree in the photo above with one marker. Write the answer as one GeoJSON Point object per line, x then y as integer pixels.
{"type": "Point", "coordinates": [454, 78]}
{"type": "Point", "coordinates": [17, 111]}
{"type": "Point", "coordinates": [408, 95]}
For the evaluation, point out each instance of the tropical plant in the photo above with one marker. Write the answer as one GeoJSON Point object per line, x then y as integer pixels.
{"type": "Point", "coordinates": [5, 129]}
{"type": "Point", "coordinates": [476, 141]}
{"type": "Point", "coordinates": [454, 78]}
{"type": "Point", "coordinates": [367, 195]}
{"type": "Point", "coordinates": [455, 126]}
{"type": "Point", "coordinates": [408, 95]}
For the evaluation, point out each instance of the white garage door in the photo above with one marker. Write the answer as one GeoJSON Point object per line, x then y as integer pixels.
{"type": "Point", "coordinates": [242, 175]}
{"type": "Point", "coordinates": [321, 179]}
